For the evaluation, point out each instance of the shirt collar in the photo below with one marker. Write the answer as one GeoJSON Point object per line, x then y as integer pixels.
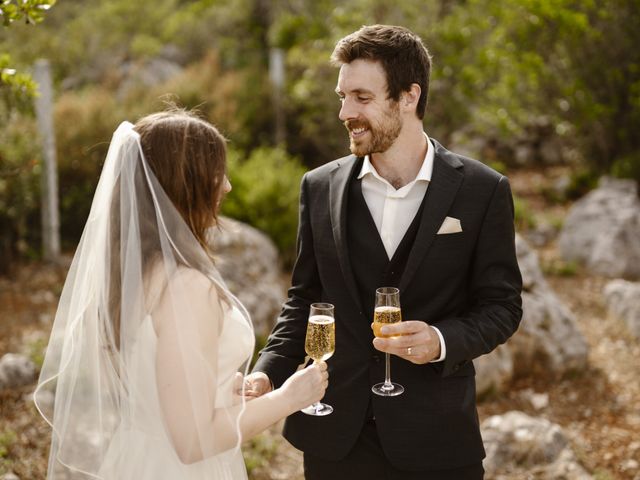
{"type": "Point", "coordinates": [423, 174]}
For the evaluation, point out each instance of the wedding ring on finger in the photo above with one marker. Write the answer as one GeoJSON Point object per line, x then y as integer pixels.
{"type": "Point", "coordinates": [409, 352]}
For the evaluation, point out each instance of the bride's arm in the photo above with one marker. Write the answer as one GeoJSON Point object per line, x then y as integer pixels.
{"type": "Point", "coordinates": [188, 319]}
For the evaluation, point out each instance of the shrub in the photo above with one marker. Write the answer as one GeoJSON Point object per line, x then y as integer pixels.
{"type": "Point", "coordinates": [265, 194]}
{"type": "Point", "coordinates": [524, 217]}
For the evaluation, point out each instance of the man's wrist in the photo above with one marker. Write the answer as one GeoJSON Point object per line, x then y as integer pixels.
{"type": "Point", "coordinates": [443, 349]}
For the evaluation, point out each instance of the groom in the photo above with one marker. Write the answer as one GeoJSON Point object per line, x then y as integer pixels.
{"type": "Point", "coordinates": [401, 211]}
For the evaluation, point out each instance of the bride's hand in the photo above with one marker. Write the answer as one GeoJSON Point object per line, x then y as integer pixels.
{"type": "Point", "coordinates": [306, 386]}
{"type": "Point", "coordinates": [256, 384]}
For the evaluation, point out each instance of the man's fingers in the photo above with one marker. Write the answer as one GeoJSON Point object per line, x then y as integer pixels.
{"type": "Point", "coordinates": [404, 328]}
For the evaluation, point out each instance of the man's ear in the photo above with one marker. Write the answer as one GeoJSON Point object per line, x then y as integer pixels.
{"type": "Point", "coordinates": [411, 97]}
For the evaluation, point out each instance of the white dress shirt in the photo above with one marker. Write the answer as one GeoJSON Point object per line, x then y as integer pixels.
{"type": "Point", "coordinates": [394, 210]}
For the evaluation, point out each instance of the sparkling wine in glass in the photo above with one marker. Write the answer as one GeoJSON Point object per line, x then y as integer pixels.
{"type": "Point", "coordinates": [387, 310]}
{"type": "Point", "coordinates": [320, 343]}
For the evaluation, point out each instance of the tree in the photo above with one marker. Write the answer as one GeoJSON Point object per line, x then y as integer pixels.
{"type": "Point", "coordinates": [14, 86]}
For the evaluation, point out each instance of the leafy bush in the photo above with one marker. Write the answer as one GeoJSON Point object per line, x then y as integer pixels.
{"type": "Point", "coordinates": [19, 189]}
{"type": "Point", "coordinates": [524, 217]}
{"type": "Point", "coordinates": [265, 194]}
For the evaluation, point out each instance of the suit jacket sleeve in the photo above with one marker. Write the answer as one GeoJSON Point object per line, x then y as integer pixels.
{"type": "Point", "coordinates": [284, 351]}
{"type": "Point", "coordinates": [495, 288]}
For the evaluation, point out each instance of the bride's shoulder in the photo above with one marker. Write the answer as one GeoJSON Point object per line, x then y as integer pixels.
{"type": "Point", "coordinates": [184, 289]}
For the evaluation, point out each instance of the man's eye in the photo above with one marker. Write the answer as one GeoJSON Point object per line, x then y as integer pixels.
{"type": "Point", "coordinates": [363, 99]}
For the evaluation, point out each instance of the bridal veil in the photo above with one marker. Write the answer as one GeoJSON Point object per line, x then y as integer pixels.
{"type": "Point", "coordinates": [138, 270]}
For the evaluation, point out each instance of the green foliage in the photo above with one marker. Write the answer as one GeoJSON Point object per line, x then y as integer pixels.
{"type": "Point", "coordinates": [19, 188]}
{"type": "Point", "coordinates": [265, 194]}
{"type": "Point", "coordinates": [501, 69]}
{"type": "Point", "coordinates": [32, 11]}
{"type": "Point", "coordinates": [627, 166]}
{"type": "Point", "coordinates": [36, 350]}
{"type": "Point", "coordinates": [7, 438]}
{"type": "Point", "coordinates": [560, 268]}
{"type": "Point", "coordinates": [259, 451]}
{"type": "Point", "coordinates": [15, 87]}
{"type": "Point", "coordinates": [582, 181]}
{"type": "Point", "coordinates": [524, 216]}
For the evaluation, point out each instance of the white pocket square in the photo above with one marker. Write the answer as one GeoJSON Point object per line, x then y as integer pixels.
{"type": "Point", "coordinates": [450, 225]}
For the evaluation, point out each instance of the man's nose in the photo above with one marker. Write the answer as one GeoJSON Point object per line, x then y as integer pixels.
{"type": "Point", "coordinates": [347, 111]}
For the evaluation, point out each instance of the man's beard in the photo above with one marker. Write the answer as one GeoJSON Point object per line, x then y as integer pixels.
{"type": "Point", "coordinates": [381, 137]}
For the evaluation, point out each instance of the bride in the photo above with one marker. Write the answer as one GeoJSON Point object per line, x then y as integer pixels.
{"type": "Point", "coordinates": [147, 340]}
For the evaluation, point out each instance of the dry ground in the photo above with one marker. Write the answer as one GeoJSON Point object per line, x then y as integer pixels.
{"type": "Point", "coordinates": [598, 408]}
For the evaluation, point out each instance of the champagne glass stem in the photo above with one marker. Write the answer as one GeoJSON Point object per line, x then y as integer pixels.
{"type": "Point", "coordinates": [387, 372]}
{"type": "Point", "coordinates": [317, 406]}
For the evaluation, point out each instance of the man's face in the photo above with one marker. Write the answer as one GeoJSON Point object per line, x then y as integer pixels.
{"type": "Point", "coordinates": [373, 120]}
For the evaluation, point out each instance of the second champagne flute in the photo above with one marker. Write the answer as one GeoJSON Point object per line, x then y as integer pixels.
{"type": "Point", "coordinates": [387, 310]}
{"type": "Point", "coordinates": [320, 343]}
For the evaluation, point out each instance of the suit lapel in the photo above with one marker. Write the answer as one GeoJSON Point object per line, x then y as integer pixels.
{"type": "Point", "coordinates": [445, 181]}
{"type": "Point", "coordinates": [338, 187]}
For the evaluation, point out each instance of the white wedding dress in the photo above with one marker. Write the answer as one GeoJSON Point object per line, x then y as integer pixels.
{"type": "Point", "coordinates": [148, 452]}
{"type": "Point", "coordinates": [146, 342]}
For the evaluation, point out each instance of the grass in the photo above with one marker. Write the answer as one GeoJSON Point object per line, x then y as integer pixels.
{"type": "Point", "coordinates": [259, 451]}
{"type": "Point", "coordinates": [560, 268]}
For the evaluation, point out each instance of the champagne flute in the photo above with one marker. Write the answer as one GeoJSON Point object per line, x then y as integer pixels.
{"type": "Point", "coordinates": [320, 344]}
{"type": "Point", "coordinates": [387, 310]}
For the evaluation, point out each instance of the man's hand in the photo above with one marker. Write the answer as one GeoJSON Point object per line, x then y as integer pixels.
{"type": "Point", "coordinates": [412, 340]}
{"type": "Point", "coordinates": [256, 384]}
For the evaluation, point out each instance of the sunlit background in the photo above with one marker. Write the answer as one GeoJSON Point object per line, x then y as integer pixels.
{"type": "Point", "coordinates": [545, 91]}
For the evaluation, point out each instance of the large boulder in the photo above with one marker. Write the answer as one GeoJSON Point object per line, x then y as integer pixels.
{"type": "Point", "coordinates": [602, 230]}
{"type": "Point", "coordinates": [623, 300]}
{"type": "Point", "coordinates": [518, 444]}
{"type": "Point", "coordinates": [249, 263]}
{"type": "Point", "coordinates": [548, 340]}
{"type": "Point", "coordinates": [16, 370]}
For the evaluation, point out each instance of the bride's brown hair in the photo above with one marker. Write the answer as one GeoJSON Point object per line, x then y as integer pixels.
{"type": "Point", "coordinates": [188, 157]}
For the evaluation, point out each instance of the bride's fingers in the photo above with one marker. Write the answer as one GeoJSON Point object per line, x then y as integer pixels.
{"type": "Point", "coordinates": [237, 383]}
{"type": "Point", "coordinates": [322, 366]}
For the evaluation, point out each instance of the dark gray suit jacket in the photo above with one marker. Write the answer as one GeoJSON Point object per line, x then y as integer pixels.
{"type": "Point", "coordinates": [467, 284]}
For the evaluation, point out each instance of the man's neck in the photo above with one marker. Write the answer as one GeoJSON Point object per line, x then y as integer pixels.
{"type": "Point", "coordinates": [401, 163]}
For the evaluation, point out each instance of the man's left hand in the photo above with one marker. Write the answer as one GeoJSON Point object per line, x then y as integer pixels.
{"type": "Point", "coordinates": [412, 340]}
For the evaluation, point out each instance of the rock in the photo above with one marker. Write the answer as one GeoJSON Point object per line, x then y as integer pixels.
{"type": "Point", "coordinates": [550, 151]}
{"type": "Point", "coordinates": [493, 371]}
{"type": "Point", "coordinates": [517, 443]}
{"type": "Point", "coordinates": [541, 234]}
{"type": "Point", "coordinates": [548, 340]}
{"type": "Point", "coordinates": [248, 261]}
{"type": "Point", "coordinates": [538, 401]}
{"type": "Point", "coordinates": [602, 230]}
{"type": "Point", "coordinates": [623, 300]}
{"type": "Point", "coordinates": [10, 476]}
{"type": "Point", "coordinates": [16, 371]}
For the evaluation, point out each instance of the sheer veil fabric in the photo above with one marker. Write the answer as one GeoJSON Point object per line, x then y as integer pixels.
{"type": "Point", "coordinates": [146, 342]}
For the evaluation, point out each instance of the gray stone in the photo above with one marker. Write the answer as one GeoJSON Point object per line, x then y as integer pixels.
{"type": "Point", "coordinates": [517, 443]}
{"type": "Point", "coordinates": [623, 300]}
{"type": "Point", "coordinates": [10, 476]}
{"type": "Point", "coordinates": [16, 370]}
{"type": "Point", "coordinates": [549, 337]}
{"type": "Point", "coordinates": [548, 340]}
{"type": "Point", "coordinates": [602, 230]}
{"type": "Point", "coordinates": [249, 263]}
{"type": "Point", "coordinates": [493, 371]}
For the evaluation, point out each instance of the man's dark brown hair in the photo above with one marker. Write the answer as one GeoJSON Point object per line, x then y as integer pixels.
{"type": "Point", "coordinates": [401, 53]}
